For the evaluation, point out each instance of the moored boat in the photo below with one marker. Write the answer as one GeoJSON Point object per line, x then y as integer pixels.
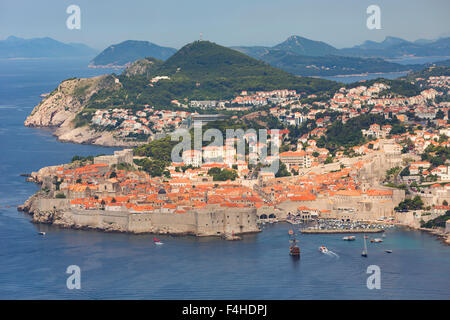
{"type": "Point", "coordinates": [349, 238]}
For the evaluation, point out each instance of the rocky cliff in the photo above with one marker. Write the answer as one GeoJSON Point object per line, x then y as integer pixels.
{"type": "Point", "coordinates": [59, 109]}
{"type": "Point", "coordinates": [143, 67]}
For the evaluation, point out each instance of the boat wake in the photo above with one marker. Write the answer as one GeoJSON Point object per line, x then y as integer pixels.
{"type": "Point", "coordinates": [332, 254]}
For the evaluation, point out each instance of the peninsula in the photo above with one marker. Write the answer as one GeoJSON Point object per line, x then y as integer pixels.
{"type": "Point", "coordinates": [370, 151]}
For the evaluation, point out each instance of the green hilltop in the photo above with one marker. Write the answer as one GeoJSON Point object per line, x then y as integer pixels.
{"type": "Point", "coordinates": [201, 70]}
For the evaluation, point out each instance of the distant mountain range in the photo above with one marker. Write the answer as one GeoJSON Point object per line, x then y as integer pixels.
{"type": "Point", "coordinates": [294, 44]}
{"type": "Point", "coordinates": [297, 55]}
{"type": "Point", "coordinates": [306, 57]}
{"type": "Point", "coordinates": [390, 47]}
{"type": "Point", "coordinates": [125, 53]}
{"type": "Point", "coordinates": [393, 47]}
{"type": "Point", "coordinates": [14, 47]}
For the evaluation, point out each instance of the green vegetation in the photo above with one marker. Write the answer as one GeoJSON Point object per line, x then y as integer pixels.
{"type": "Point", "coordinates": [83, 118]}
{"type": "Point", "coordinates": [159, 153]}
{"type": "Point", "coordinates": [123, 166]}
{"type": "Point", "coordinates": [201, 71]}
{"type": "Point", "coordinates": [437, 222]}
{"type": "Point", "coordinates": [156, 168]}
{"type": "Point", "coordinates": [393, 172]}
{"type": "Point", "coordinates": [60, 196]}
{"type": "Point", "coordinates": [410, 204]}
{"type": "Point", "coordinates": [437, 156]}
{"type": "Point", "coordinates": [434, 71]}
{"type": "Point", "coordinates": [129, 51]}
{"type": "Point", "coordinates": [340, 135]}
{"type": "Point", "coordinates": [157, 150]}
{"type": "Point", "coordinates": [82, 159]}
{"type": "Point", "coordinates": [329, 65]}
{"type": "Point", "coordinates": [397, 186]}
{"type": "Point", "coordinates": [222, 174]}
{"type": "Point", "coordinates": [282, 171]}
{"type": "Point", "coordinates": [399, 87]}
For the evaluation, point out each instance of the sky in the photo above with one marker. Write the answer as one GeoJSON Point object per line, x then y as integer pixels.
{"type": "Point", "coordinates": [173, 23]}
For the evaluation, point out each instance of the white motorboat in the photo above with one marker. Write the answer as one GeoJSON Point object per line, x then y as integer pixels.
{"type": "Point", "coordinates": [323, 249]}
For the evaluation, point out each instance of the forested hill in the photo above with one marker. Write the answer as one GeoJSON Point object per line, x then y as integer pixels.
{"type": "Point", "coordinates": [203, 70]}
{"type": "Point", "coordinates": [127, 52]}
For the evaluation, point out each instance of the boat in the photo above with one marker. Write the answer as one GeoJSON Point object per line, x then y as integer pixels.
{"type": "Point", "coordinates": [364, 253]}
{"type": "Point", "coordinates": [377, 240]}
{"type": "Point", "coordinates": [291, 232]}
{"type": "Point", "coordinates": [323, 249]}
{"type": "Point", "coordinates": [388, 251]}
{"type": "Point", "coordinates": [42, 233]}
{"type": "Point", "coordinates": [157, 241]}
{"type": "Point", "coordinates": [349, 238]}
{"type": "Point", "coordinates": [294, 250]}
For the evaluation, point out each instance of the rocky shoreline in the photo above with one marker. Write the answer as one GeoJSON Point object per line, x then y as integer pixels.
{"type": "Point", "coordinates": [439, 233]}
{"type": "Point", "coordinates": [59, 109]}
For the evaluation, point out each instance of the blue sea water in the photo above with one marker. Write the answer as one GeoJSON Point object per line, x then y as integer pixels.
{"type": "Point", "coordinates": [356, 78]}
{"type": "Point", "coordinates": [125, 266]}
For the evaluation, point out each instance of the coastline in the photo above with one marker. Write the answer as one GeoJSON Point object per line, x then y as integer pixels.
{"type": "Point", "coordinates": [362, 74]}
{"type": "Point", "coordinates": [86, 136]}
{"type": "Point", "coordinates": [440, 234]}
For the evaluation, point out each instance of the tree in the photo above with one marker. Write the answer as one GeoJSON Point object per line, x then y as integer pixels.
{"type": "Point", "coordinates": [282, 171]}
{"type": "Point", "coordinates": [222, 175]}
{"type": "Point", "coordinates": [440, 114]}
{"type": "Point", "coordinates": [410, 204]}
{"type": "Point", "coordinates": [437, 222]}
{"type": "Point", "coordinates": [405, 172]}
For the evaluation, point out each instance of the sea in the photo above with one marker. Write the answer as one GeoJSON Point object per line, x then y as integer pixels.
{"type": "Point", "coordinates": [127, 266]}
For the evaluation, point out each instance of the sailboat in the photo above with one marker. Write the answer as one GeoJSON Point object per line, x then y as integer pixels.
{"type": "Point", "coordinates": [364, 253]}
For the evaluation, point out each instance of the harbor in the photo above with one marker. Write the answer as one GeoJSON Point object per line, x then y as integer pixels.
{"type": "Point", "coordinates": [330, 226]}
{"type": "Point", "coordinates": [314, 231]}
